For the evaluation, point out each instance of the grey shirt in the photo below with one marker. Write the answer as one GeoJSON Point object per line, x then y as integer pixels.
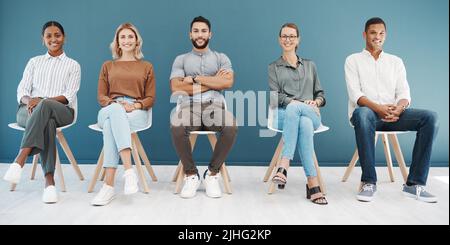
{"type": "Point", "coordinates": [301, 83]}
{"type": "Point", "coordinates": [200, 64]}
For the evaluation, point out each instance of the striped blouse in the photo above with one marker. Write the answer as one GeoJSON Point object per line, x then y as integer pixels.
{"type": "Point", "coordinates": [47, 76]}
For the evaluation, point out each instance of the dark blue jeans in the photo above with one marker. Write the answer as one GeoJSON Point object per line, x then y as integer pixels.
{"type": "Point", "coordinates": [424, 122]}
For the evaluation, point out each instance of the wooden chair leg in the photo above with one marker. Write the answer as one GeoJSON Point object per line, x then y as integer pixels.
{"type": "Point", "coordinates": [274, 160]}
{"type": "Point", "coordinates": [98, 168]}
{"type": "Point", "coordinates": [353, 162]}
{"type": "Point", "coordinates": [33, 171]}
{"type": "Point", "coordinates": [272, 185]}
{"type": "Point", "coordinates": [351, 166]}
{"type": "Point", "coordinates": [399, 156]}
{"type": "Point", "coordinates": [63, 142]}
{"type": "Point", "coordinates": [33, 168]}
{"type": "Point", "coordinates": [137, 163]}
{"type": "Point", "coordinates": [175, 175]}
{"type": "Point", "coordinates": [60, 172]}
{"type": "Point", "coordinates": [179, 172]}
{"type": "Point", "coordinates": [102, 174]}
{"type": "Point", "coordinates": [319, 175]}
{"type": "Point", "coordinates": [144, 157]}
{"type": "Point", "coordinates": [179, 180]}
{"type": "Point", "coordinates": [226, 179]}
{"type": "Point", "coordinates": [387, 153]}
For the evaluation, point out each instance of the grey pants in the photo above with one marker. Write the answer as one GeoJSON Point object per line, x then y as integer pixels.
{"type": "Point", "coordinates": [203, 117]}
{"type": "Point", "coordinates": [40, 129]}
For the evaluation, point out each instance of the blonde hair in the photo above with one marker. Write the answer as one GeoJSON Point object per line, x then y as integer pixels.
{"type": "Point", "coordinates": [115, 49]}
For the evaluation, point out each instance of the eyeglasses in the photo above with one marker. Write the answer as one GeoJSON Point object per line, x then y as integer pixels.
{"type": "Point", "coordinates": [285, 37]}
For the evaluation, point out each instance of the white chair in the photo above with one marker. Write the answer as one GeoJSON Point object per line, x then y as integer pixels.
{"type": "Point", "coordinates": [63, 142]}
{"type": "Point", "coordinates": [385, 136]}
{"type": "Point", "coordinates": [179, 172]}
{"type": "Point", "coordinates": [277, 155]}
{"type": "Point", "coordinates": [138, 153]}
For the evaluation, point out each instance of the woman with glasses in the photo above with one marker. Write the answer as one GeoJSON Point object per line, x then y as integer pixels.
{"type": "Point", "coordinates": [297, 94]}
{"type": "Point", "coordinates": [126, 90]}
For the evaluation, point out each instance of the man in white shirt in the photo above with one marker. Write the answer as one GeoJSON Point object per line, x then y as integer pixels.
{"type": "Point", "coordinates": [379, 98]}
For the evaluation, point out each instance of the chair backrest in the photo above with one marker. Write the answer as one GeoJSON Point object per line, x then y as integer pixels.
{"type": "Point", "coordinates": [270, 117]}
{"type": "Point", "coordinates": [75, 110]}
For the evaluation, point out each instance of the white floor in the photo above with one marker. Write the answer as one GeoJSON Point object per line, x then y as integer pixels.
{"type": "Point", "coordinates": [249, 203]}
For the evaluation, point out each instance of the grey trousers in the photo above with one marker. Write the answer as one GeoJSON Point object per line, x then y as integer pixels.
{"type": "Point", "coordinates": [203, 117]}
{"type": "Point", "coordinates": [40, 129]}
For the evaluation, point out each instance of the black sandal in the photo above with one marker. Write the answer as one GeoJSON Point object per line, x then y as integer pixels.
{"type": "Point", "coordinates": [279, 180]}
{"type": "Point", "coordinates": [315, 190]}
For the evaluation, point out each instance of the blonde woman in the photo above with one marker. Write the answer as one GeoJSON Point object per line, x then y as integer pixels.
{"type": "Point", "coordinates": [126, 90]}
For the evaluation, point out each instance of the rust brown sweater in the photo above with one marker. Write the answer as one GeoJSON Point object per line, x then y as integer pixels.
{"type": "Point", "coordinates": [127, 78]}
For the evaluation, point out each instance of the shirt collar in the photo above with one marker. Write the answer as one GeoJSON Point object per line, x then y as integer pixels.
{"type": "Point", "coordinates": [282, 62]}
{"type": "Point", "coordinates": [366, 52]}
{"type": "Point", "coordinates": [60, 57]}
{"type": "Point", "coordinates": [201, 53]}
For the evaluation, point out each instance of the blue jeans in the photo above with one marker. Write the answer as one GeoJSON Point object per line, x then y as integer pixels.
{"type": "Point", "coordinates": [117, 126]}
{"type": "Point", "coordinates": [425, 122]}
{"type": "Point", "coordinates": [298, 122]}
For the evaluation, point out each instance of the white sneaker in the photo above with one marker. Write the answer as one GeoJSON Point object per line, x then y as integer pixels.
{"type": "Point", "coordinates": [131, 182]}
{"type": "Point", "coordinates": [212, 185]}
{"type": "Point", "coordinates": [190, 187]}
{"type": "Point", "coordinates": [50, 195]}
{"type": "Point", "coordinates": [104, 196]}
{"type": "Point", "coordinates": [13, 174]}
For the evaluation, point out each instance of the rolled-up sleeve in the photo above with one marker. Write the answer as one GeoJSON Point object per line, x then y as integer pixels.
{"type": "Point", "coordinates": [277, 97]}
{"type": "Point", "coordinates": [402, 88]}
{"type": "Point", "coordinates": [177, 68]}
{"type": "Point", "coordinates": [317, 88]}
{"type": "Point", "coordinates": [225, 63]}
{"type": "Point", "coordinates": [352, 79]}
{"type": "Point", "coordinates": [73, 84]}
{"type": "Point", "coordinates": [26, 84]}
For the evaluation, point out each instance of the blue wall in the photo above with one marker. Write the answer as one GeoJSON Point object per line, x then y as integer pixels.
{"type": "Point", "coordinates": [247, 32]}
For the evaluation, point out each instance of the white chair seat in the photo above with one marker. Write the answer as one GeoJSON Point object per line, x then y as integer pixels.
{"type": "Point", "coordinates": [391, 132]}
{"type": "Point", "coordinates": [95, 126]}
{"type": "Point", "coordinates": [320, 129]}
{"type": "Point", "coordinates": [17, 127]}
{"type": "Point", "coordinates": [203, 132]}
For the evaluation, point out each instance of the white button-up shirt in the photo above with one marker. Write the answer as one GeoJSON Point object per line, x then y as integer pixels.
{"type": "Point", "coordinates": [47, 76]}
{"type": "Point", "coordinates": [382, 81]}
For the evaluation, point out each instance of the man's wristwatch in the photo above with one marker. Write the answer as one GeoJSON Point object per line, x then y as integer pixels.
{"type": "Point", "coordinates": [194, 79]}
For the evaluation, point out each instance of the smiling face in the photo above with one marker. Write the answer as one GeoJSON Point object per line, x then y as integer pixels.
{"type": "Point", "coordinates": [375, 36]}
{"type": "Point", "coordinates": [200, 35]}
{"type": "Point", "coordinates": [53, 39]}
{"type": "Point", "coordinates": [127, 40]}
{"type": "Point", "coordinates": [288, 39]}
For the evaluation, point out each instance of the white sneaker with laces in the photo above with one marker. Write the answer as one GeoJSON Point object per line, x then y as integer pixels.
{"type": "Point", "coordinates": [50, 195]}
{"type": "Point", "coordinates": [13, 173]}
{"type": "Point", "coordinates": [131, 182]}
{"type": "Point", "coordinates": [212, 185]}
{"type": "Point", "coordinates": [104, 196]}
{"type": "Point", "coordinates": [191, 184]}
